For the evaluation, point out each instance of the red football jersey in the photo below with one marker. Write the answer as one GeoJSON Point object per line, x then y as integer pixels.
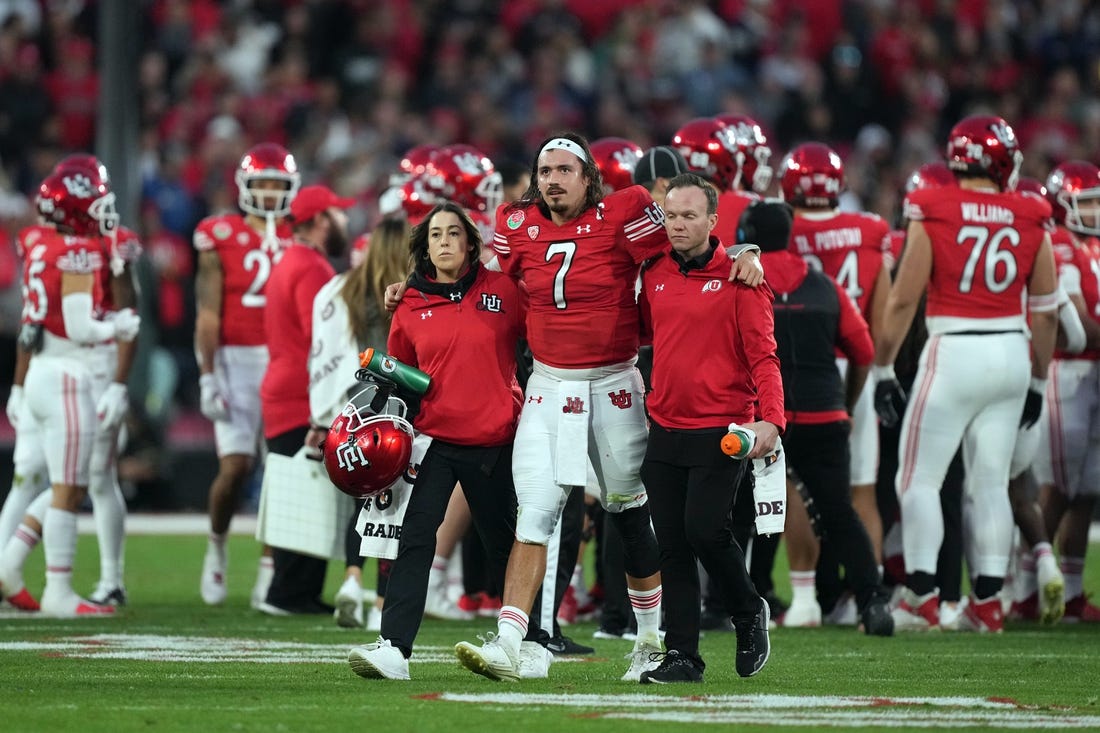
{"type": "Point", "coordinates": [847, 246]}
{"type": "Point", "coordinates": [984, 245]}
{"type": "Point", "coordinates": [47, 258]}
{"type": "Point", "coordinates": [731, 205]}
{"type": "Point", "coordinates": [1079, 272]}
{"type": "Point", "coordinates": [580, 276]}
{"type": "Point", "coordinates": [246, 266]}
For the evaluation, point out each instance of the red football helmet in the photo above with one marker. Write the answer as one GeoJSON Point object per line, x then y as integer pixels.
{"type": "Point", "coordinates": [85, 160]}
{"type": "Point", "coordinates": [1074, 191]}
{"type": "Point", "coordinates": [985, 145]}
{"type": "Point", "coordinates": [812, 176]}
{"type": "Point", "coordinates": [266, 162]}
{"type": "Point", "coordinates": [708, 147]}
{"type": "Point", "coordinates": [465, 175]}
{"type": "Point", "coordinates": [411, 197]}
{"type": "Point", "coordinates": [616, 157]}
{"type": "Point", "coordinates": [930, 175]}
{"type": "Point", "coordinates": [751, 155]}
{"type": "Point", "coordinates": [368, 446]}
{"type": "Point", "coordinates": [76, 198]}
{"type": "Point", "coordinates": [413, 163]}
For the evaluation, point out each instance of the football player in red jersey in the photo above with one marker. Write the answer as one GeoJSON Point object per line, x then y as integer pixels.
{"type": "Point", "coordinates": [64, 282]}
{"type": "Point", "coordinates": [1068, 461]}
{"type": "Point", "coordinates": [848, 247]}
{"type": "Point", "coordinates": [236, 255]}
{"type": "Point", "coordinates": [578, 252]}
{"type": "Point", "coordinates": [731, 152]}
{"type": "Point", "coordinates": [463, 320]}
{"type": "Point", "coordinates": [975, 252]}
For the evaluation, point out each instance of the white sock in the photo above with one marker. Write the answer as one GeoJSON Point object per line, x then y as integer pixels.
{"type": "Point", "coordinates": [20, 496]}
{"type": "Point", "coordinates": [1025, 583]}
{"type": "Point", "coordinates": [216, 543]}
{"type": "Point", "coordinates": [59, 543]}
{"type": "Point", "coordinates": [803, 586]}
{"type": "Point", "coordinates": [647, 610]}
{"type": "Point", "coordinates": [15, 555]}
{"type": "Point", "coordinates": [437, 576]}
{"type": "Point", "coordinates": [580, 588]}
{"type": "Point", "coordinates": [109, 511]}
{"type": "Point", "coordinates": [1072, 568]}
{"type": "Point", "coordinates": [511, 628]}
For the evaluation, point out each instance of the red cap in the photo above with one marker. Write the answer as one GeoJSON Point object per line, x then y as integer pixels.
{"type": "Point", "coordinates": [312, 200]}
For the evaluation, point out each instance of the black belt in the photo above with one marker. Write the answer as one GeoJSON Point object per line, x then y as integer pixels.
{"type": "Point", "coordinates": [981, 333]}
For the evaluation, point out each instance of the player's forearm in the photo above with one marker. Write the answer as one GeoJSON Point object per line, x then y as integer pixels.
{"type": "Point", "coordinates": [895, 324]}
{"type": "Point", "coordinates": [1044, 329]}
{"type": "Point", "coordinates": [207, 336]}
{"type": "Point", "coordinates": [127, 350]}
{"type": "Point", "coordinates": [22, 363]}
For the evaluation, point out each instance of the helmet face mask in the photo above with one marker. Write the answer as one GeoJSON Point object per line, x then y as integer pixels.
{"type": "Point", "coordinates": [267, 181]}
{"type": "Point", "coordinates": [369, 444]}
{"type": "Point", "coordinates": [1073, 188]}
{"type": "Point", "coordinates": [751, 153]}
{"type": "Point", "coordinates": [77, 198]}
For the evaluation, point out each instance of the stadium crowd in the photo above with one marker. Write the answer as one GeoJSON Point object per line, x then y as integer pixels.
{"type": "Point", "coordinates": [388, 109]}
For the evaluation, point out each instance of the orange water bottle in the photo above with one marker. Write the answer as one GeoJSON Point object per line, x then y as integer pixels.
{"type": "Point", "coordinates": [738, 442]}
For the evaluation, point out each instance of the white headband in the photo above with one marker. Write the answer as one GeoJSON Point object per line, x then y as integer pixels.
{"type": "Point", "coordinates": [561, 143]}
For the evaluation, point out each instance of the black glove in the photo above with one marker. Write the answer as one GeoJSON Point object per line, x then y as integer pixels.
{"type": "Point", "coordinates": [889, 401]}
{"type": "Point", "coordinates": [1033, 406]}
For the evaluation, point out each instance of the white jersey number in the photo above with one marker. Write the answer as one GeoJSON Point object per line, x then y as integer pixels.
{"type": "Point", "coordinates": [34, 290]}
{"type": "Point", "coordinates": [566, 250]}
{"type": "Point", "coordinates": [847, 276]}
{"type": "Point", "coordinates": [257, 260]}
{"type": "Point", "coordinates": [986, 248]}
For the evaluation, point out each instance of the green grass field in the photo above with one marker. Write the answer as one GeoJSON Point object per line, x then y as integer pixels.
{"type": "Point", "coordinates": [169, 663]}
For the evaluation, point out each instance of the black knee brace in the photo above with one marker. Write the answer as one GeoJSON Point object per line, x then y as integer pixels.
{"type": "Point", "coordinates": [641, 557]}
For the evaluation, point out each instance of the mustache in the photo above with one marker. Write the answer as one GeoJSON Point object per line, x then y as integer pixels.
{"type": "Point", "coordinates": [555, 190]}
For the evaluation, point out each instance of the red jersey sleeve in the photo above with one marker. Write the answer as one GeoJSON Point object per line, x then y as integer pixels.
{"type": "Point", "coordinates": [643, 222]}
{"type": "Point", "coordinates": [756, 331]}
{"type": "Point", "coordinates": [853, 335]}
{"type": "Point", "coordinates": [508, 220]}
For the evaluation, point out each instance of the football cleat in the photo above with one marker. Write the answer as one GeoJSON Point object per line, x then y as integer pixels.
{"type": "Point", "coordinates": [802, 614]}
{"type": "Point", "coordinates": [22, 600]}
{"type": "Point", "coordinates": [378, 661]}
{"type": "Point", "coordinates": [1052, 590]}
{"type": "Point", "coordinates": [951, 614]}
{"type": "Point", "coordinates": [1025, 610]}
{"type": "Point", "coordinates": [105, 595]}
{"type": "Point", "coordinates": [438, 605]}
{"type": "Point", "coordinates": [489, 607]}
{"type": "Point", "coordinates": [491, 659]}
{"type": "Point", "coordinates": [986, 617]}
{"type": "Point", "coordinates": [349, 604]}
{"type": "Point", "coordinates": [66, 604]}
{"type": "Point", "coordinates": [646, 655]}
{"type": "Point", "coordinates": [534, 661]}
{"type": "Point", "coordinates": [917, 613]}
{"type": "Point", "coordinates": [1079, 610]}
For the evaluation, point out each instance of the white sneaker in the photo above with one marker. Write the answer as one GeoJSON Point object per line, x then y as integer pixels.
{"type": "Point", "coordinates": [534, 661]}
{"type": "Point", "coordinates": [490, 659]}
{"type": "Point", "coordinates": [844, 613]}
{"type": "Point", "coordinates": [438, 605]}
{"type": "Point", "coordinates": [951, 613]}
{"type": "Point", "coordinates": [212, 584]}
{"type": "Point", "coordinates": [349, 605]}
{"type": "Point", "coordinates": [374, 619]}
{"type": "Point", "coordinates": [644, 657]}
{"type": "Point", "coordinates": [380, 660]}
{"type": "Point", "coordinates": [67, 604]}
{"type": "Point", "coordinates": [1052, 590]}
{"type": "Point", "coordinates": [264, 573]}
{"type": "Point", "coordinates": [802, 614]}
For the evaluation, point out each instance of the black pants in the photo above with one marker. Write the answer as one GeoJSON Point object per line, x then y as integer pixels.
{"type": "Point", "coordinates": [818, 454]}
{"type": "Point", "coordinates": [486, 478]}
{"type": "Point", "coordinates": [298, 580]}
{"type": "Point", "coordinates": [692, 486]}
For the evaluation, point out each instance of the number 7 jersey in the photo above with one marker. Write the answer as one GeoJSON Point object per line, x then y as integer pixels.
{"type": "Point", "coordinates": [246, 267]}
{"type": "Point", "coordinates": [984, 246]}
{"type": "Point", "coordinates": [580, 276]}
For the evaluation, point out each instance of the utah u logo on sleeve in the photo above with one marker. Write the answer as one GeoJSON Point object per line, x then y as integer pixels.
{"type": "Point", "coordinates": [490, 303]}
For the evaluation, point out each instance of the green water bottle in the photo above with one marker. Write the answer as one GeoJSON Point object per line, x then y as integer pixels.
{"type": "Point", "coordinates": [404, 376]}
{"type": "Point", "coordinates": [738, 442]}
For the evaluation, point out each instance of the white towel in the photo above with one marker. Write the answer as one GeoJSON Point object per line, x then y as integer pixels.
{"type": "Point", "coordinates": [571, 467]}
{"type": "Point", "coordinates": [380, 519]}
{"type": "Point", "coordinates": [770, 491]}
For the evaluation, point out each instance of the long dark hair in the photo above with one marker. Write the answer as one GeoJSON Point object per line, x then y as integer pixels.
{"type": "Point", "coordinates": [384, 263]}
{"type": "Point", "coordinates": [592, 195]}
{"type": "Point", "coordinates": [418, 242]}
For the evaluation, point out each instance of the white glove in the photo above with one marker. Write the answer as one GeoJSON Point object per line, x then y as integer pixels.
{"type": "Point", "coordinates": [211, 401]}
{"type": "Point", "coordinates": [15, 404]}
{"type": "Point", "coordinates": [112, 406]}
{"type": "Point", "coordinates": [126, 324]}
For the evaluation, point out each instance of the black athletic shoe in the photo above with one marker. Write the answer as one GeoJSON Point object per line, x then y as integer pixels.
{"type": "Point", "coordinates": [674, 667]}
{"type": "Point", "coordinates": [877, 619]}
{"type": "Point", "coordinates": [753, 646]}
{"type": "Point", "coordinates": [562, 645]}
